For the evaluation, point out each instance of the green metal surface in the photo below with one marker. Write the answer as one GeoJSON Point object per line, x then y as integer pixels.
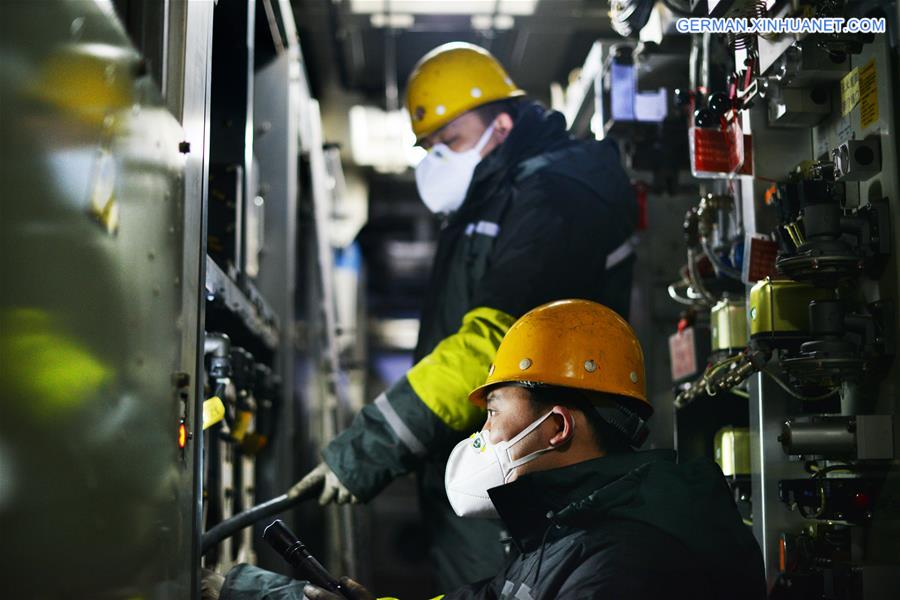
{"type": "Point", "coordinates": [780, 307]}
{"type": "Point", "coordinates": [95, 495]}
{"type": "Point", "coordinates": [732, 450]}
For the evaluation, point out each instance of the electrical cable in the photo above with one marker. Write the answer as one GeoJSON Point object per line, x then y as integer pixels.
{"type": "Point", "coordinates": [821, 471]}
{"type": "Point", "coordinates": [232, 525]}
{"type": "Point", "coordinates": [693, 294]}
{"type": "Point", "coordinates": [794, 394]}
{"type": "Point", "coordinates": [713, 369]}
{"type": "Point", "coordinates": [820, 510]}
{"type": "Point", "coordinates": [711, 372]}
{"type": "Point", "coordinates": [710, 384]}
{"type": "Point", "coordinates": [818, 475]}
{"type": "Point", "coordinates": [746, 363]}
{"type": "Point", "coordinates": [717, 262]}
{"type": "Point", "coordinates": [676, 297]}
{"type": "Point", "coordinates": [790, 232]}
{"type": "Point", "coordinates": [695, 278]}
{"type": "Point", "coordinates": [678, 11]}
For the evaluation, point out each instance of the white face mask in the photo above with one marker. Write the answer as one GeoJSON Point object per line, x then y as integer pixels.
{"type": "Point", "coordinates": [476, 465]}
{"type": "Point", "coordinates": [443, 176]}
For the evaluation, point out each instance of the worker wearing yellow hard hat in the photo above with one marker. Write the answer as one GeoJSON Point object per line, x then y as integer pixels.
{"type": "Point", "coordinates": [594, 335]}
{"type": "Point", "coordinates": [530, 215]}
{"type": "Point", "coordinates": [554, 462]}
{"type": "Point", "coordinates": [451, 80]}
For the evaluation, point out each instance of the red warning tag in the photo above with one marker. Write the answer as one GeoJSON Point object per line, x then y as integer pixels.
{"type": "Point", "coordinates": [682, 354]}
{"type": "Point", "coordinates": [763, 252]}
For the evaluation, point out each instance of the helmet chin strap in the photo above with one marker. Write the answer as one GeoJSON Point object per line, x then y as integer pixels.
{"type": "Point", "coordinates": [629, 424]}
{"type": "Point", "coordinates": [625, 421]}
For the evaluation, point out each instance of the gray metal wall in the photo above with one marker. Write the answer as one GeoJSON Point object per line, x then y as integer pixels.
{"type": "Point", "coordinates": [275, 113]}
{"type": "Point", "coordinates": [877, 542]}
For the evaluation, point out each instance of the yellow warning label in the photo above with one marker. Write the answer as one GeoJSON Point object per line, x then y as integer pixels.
{"type": "Point", "coordinates": [849, 91]}
{"type": "Point", "coordinates": [868, 95]}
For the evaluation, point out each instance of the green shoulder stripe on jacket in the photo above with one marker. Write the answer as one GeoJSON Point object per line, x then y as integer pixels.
{"type": "Point", "coordinates": [458, 365]}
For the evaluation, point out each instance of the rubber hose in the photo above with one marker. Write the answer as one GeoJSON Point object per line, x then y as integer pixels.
{"type": "Point", "coordinates": [232, 525]}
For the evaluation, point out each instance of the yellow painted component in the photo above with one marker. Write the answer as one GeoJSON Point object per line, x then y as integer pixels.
{"type": "Point", "coordinates": [732, 446]}
{"type": "Point", "coordinates": [104, 207]}
{"type": "Point", "coordinates": [798, 233]}
{"type": "Point", "coordinates": [781, 306]}
{"type": "Point", "coordinates": [571, 343]}
{"type": "Point", "coordinates": [213, 411]}
{"type": "Point", "coordinates": [39, 362]}
{"type": "Point", "coordinates": [242, 424]}
{"type": "Point", "coordinates": [89, 81]}
{"type": "Point", "coordinates": [444, 378]}
{"type": "Point", "coordinates": [109, 216]}
{"type": "Point", "coordinates": [728, 325]}
{"type": "Point", "coordinates": [453, 79]}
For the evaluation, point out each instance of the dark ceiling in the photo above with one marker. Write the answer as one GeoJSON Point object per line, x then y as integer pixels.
{"type": "Point", "coordinates": [344, 50]}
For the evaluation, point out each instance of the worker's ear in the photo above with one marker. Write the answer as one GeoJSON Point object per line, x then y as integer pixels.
{"type": "Point", "coordinates": [564, 421]}
{"type": "Point", "coordinates": [503, 125]}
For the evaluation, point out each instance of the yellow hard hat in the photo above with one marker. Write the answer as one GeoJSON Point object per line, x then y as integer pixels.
{"type": "Point", "coordinates": [452, 79]}
{"type": "Point", "coordinates": [574, 344]}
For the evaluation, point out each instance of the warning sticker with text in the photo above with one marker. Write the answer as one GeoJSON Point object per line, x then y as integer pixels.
{"type": "Point", "coordinates": [849, 91]}
{"type": "Point", "coordinates": [868, 95]}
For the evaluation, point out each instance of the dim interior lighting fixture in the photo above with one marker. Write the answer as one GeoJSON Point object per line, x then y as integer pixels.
{"type": "Point", "coordinates": [493, 22]}
{"type": "Point", "coordinates": [393, 20]}
{"type": "Point", "coordinates": [383, 139]}
{"type": "Point", "coordinates": [445, 7]}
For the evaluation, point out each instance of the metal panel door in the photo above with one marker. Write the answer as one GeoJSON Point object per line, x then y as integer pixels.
{"type": "Point", "coordinates": [95, 493]}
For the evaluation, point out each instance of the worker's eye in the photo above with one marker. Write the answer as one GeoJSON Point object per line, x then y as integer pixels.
{"type": "Point", "coordinates": [491, 412]}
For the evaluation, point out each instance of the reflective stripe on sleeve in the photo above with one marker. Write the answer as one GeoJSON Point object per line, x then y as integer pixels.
{"type": "Point", "coordinates": [400, 429]}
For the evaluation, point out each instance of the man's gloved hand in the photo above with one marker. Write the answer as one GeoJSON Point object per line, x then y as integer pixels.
{"type": "Point", "coordinates": [353, 589]}
{"type": "Point", "coordinates": [211, 584]}
{"type": "Point", "coordinates": [332, 488]}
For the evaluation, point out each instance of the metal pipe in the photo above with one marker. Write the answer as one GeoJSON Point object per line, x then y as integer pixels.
{"type": "Point", "coordinates": [704, 63]}
{"type": "Point", "coordinates": [852, 398]}
{"type": "Point", "coordinates": [825, 435]}
{"type": "Point", "coordinates": [217, 344]}
{"type": "Point", "coordinates": [232, 525]}
{"type": "Point", "coordinates": [673, 294]}
{"type": "Point", "coordinates": [723, 380]}
{"type": "Point", "coordinates": [720, 266]}
{"type": "Point", "coordinates": [694, 278]}
{"type": "Point", "coordinates": [694, 62]}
